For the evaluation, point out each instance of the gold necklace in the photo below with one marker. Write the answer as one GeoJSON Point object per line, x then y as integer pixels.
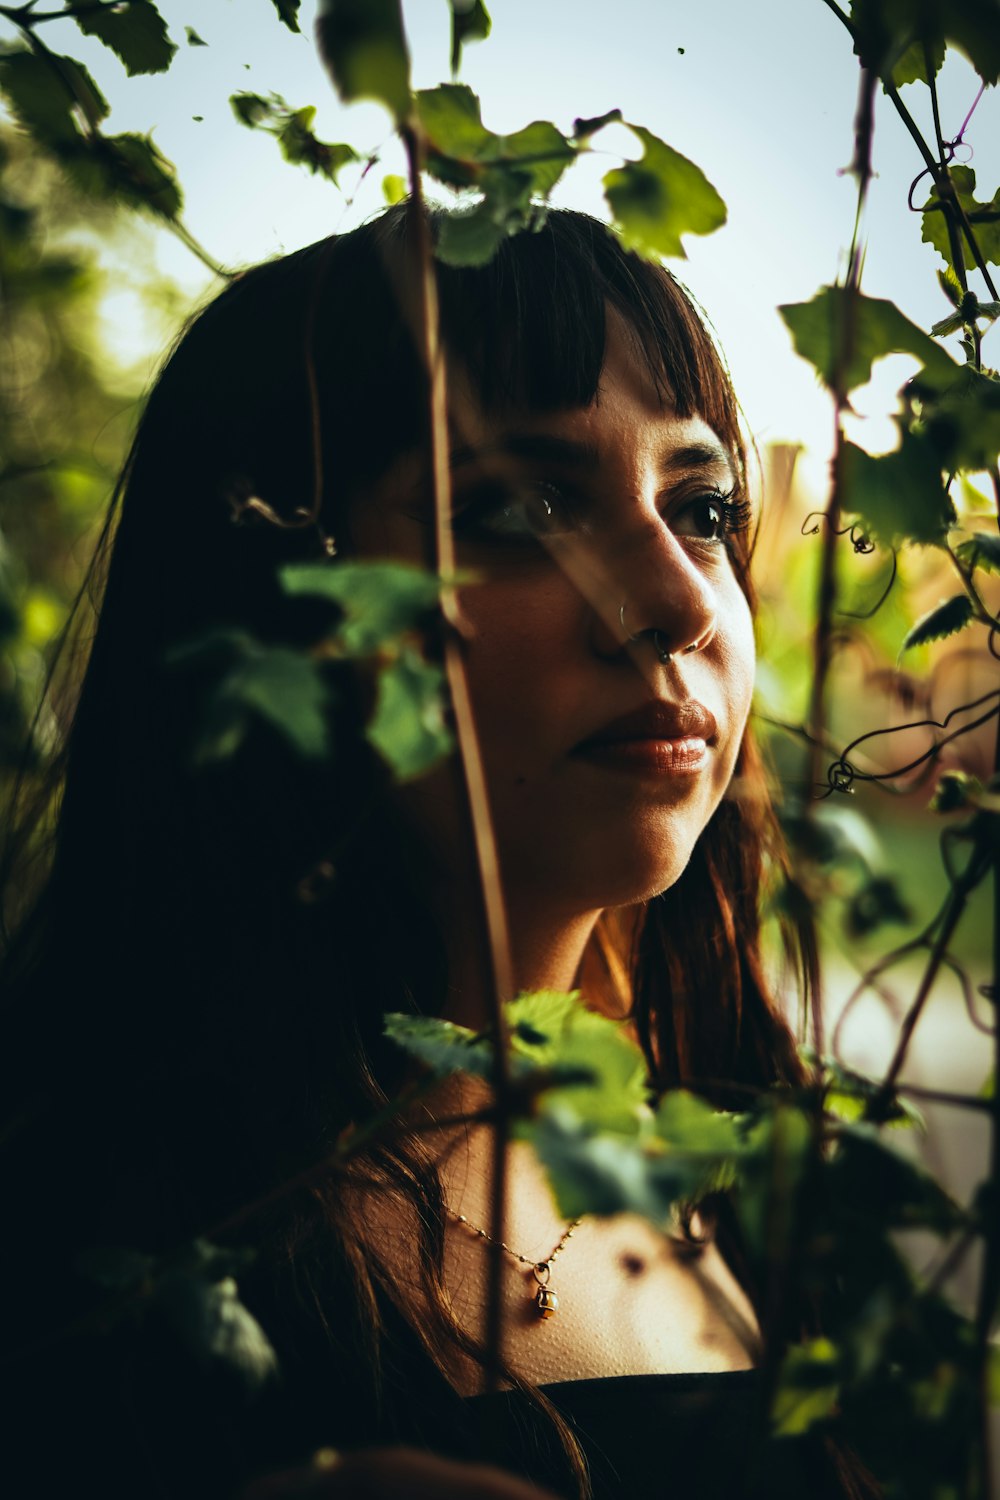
{"type": "Point", "coordinates": [545, 1299]}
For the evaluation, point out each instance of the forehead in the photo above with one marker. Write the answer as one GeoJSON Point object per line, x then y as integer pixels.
{"type": "Point", "coordinates": [629, 420]}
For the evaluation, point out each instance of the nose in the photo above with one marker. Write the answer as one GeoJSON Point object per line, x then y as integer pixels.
{"type": "Point", "coordinates": [650, 587]}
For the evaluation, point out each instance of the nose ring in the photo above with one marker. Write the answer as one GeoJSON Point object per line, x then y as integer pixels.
{"type": "Point", "coordinates": [663, 652]}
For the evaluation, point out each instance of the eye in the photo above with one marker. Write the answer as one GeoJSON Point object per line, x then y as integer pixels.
{"type": "Point", "coordinates": [515, 512]}
{"type": "Point", "coordinates": [712, 517]}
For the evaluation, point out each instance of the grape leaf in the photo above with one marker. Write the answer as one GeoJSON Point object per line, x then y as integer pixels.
{"type": "Point", "coordinates": [470, 22]}
{"type": "Point", "coordinates": [441, 1045]}
{"type": "Point", "coordinates": [408, 727]}
{"type": "Point", "coordinates": [981, 550]}
{"type": "Point", "coordinates": [899, 496]}
{"type": "Point", "coordinates": [808, 1387]}
{"type": "Point", "coordinates": [44, 92]}
{"type": "Point", "coordinates": [555, 1029]}
{"type": "Point", "coordinates": [984, 217]}
{"type": "Point", "coordinates": [946, 618]}
{"type": "Point", "coordinates": [464, 153]}
{"type": "Point", "coordinates": [381, 600]}
{"type": "Point", "coordinates": [135, 31]}
{"type": "Point", "coordinates": [661, 197]}
{"type": "Point", "coordinates": [876, 328]}
{"type": "Point", "coordinates": [288, 12]}
{"type": "Point", "coordinates": [468, 237]}
{"type": "Point", "coordinates": [607, 1174]}
{"type": "Point", "coordinates": [890, 35]}
{"type": "Point", "coordinates": [292, 129]}
{"type": "Point", "coordinates": [363, 45]}
{"type": "Point", "coordinates": [133, 170]}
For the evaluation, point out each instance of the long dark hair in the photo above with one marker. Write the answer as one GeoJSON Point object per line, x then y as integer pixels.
{"type": "Point", "coordinates": [218, 944]}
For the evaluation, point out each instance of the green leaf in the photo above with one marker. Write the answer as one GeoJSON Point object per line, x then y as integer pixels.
{"type": "Point", "coordinates": [962, 421]}
{"type": "Point", "coordinates": [584, 128]}
{"type": "Point", "coordinates": [661, 197]}
{"type": "Point", "coordinates": [364, 46]}
{"type": "Point", "coordinates": [132, 170]}
{"type": "Point", "coordinates": [441, 1045]}
{"type": "Point", "coordinates": [44, 93]}
{"type": "Point", "coordinates": [778, 1147]}
{"type": "Point", "coordinates": [690, 1127]}
{"type": "Point", "coordinates": [408, 727]}
{"type": "Point", "coordinates": [984, 217]}
{"type": "Point", "coordinates": [912, 64]}
{"type": "Point", "coordinates": [553, 1029]}
{"type": "Point", "coordinates": [890, 35]}
{"type": "Point", "coordinates": [980, 550]}
{"type": "Point", "coordinates": [899, 496]}
{"type": "Point", "coordinates": [808, 1387]}
{"type": "Point", "coordinates": [874, 328]}
{"type": "Point", "coordinates": [955, 791]}
{"type": "Point", "coordinates": [470, 22]}
{"type": "Point", "coordinates": [292, 129]}
{"type": "Point", "coordinates": [469, 237]}
{"type": "Point", "coordinates": [288, 12]}
{"type": "Point", "coordinates": [381, 600]}
{"type": "Point", "coordinates": [200, 1303]}
{"type": "Point", "coordinates": [876, 902]}
{"type": "Point", "coordinates": [135, 31]}
{"type": "Point", "coordinates": [951, 286]}
{"type": "Point", "coordinates": [848, 1094]}
{"type": "Point", "coordinates": [394, 187]}
{"type": "Point", "coordinates": [193, 39]}
{"type": "Point", "coordinates": [603, 1173]}
{"type": "Point", "coordinates": [875, 1184]}
{"type": "Point", "coordinates": [945, 619]}
{"type": "Point", "coordinates": [251, 681]}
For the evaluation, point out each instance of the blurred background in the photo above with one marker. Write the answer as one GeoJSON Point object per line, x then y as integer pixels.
{"type": "Point", "coordinates": [763, 98]}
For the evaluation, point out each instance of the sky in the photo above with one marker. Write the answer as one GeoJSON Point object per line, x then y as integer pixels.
{"type": "Point", "coordinates": [761, 96]}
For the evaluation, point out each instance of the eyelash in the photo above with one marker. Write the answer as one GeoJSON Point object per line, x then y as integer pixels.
{"type": "Point", "coordinates": [472, 519]}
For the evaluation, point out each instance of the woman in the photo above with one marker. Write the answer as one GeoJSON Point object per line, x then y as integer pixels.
{"type": "Point", "coordinates": [197, 993]}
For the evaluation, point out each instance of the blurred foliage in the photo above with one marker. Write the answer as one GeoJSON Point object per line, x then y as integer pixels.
{"type": "Point", "coordinates": [66, 405]}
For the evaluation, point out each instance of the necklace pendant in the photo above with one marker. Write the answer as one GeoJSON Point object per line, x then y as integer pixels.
{"type": "Point", "coordinates": [546, 1302]}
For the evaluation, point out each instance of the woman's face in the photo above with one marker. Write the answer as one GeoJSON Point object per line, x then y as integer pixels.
{"type": "Point", "coordinates": [589, 530]}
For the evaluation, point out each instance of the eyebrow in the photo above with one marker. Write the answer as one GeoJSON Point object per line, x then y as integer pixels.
{"type": "Point", "coordinates": [546, 447]}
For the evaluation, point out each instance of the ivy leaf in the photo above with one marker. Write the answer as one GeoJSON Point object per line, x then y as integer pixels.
{"type": "Point", "coordinates": [135, 31]}
{"type": "Point", "coordinates": [808, 1387]}
{"type": "Point", "coordinates": [408, 727]}
{"type": "Point", "coordinates": [253, 682]}
{"type": "Point", "coordinates": [288, 12]}
{"type": "Point", "coordinates": [470, 22]}
{"type": "Point", "coordinates": [363, 45]}
{"type": "Point", "coordinates": [898, 495]}
{"type": "Point", "coordinates": [381, 600]}
{"type": "Point", "coordinates": [984, 217]}
{"type": "Point", "coordinates": [980, 550]}
{"type": "Point", "coordinates": [877, 328]}
{"type": "Point", "coordinates": [946, 619]}
{"type": "Point", "coordinates": [661, 197]}
{"type": "Point", "coordinates": [45, 93]}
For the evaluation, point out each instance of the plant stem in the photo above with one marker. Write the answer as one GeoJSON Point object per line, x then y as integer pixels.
{"type": "Point", "coordinates": [500, 985]}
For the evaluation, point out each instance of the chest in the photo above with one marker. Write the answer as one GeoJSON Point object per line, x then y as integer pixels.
{"type": "Point", "coordinates": [628, 1301]}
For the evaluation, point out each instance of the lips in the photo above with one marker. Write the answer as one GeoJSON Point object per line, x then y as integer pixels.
{"type": "Point", "coordinates": [656, 722]}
